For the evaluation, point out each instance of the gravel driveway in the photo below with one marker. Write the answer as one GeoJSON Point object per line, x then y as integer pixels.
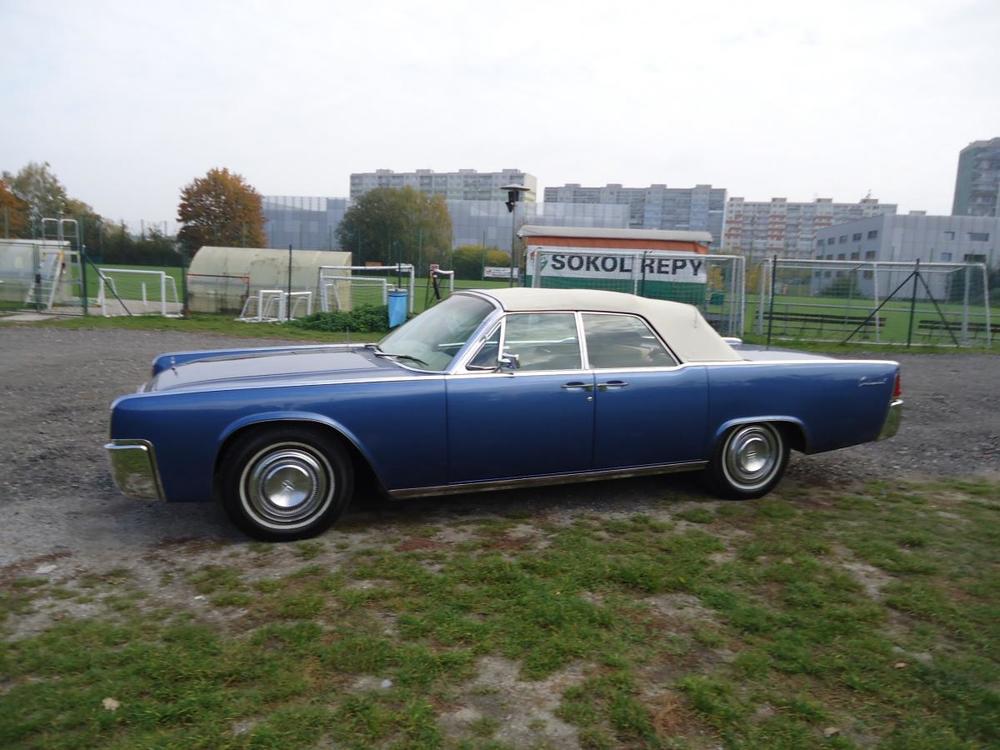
{"type": "Point", "coordinates": [56, 385]}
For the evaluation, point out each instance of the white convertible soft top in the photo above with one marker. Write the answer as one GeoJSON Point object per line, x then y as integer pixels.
{"type": "Point", "coordinates": [680, 325]}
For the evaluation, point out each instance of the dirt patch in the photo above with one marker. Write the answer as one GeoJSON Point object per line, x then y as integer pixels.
{"type": "Point", "coordinates": [871, 579]}
{"type": "Point", "coordinates": [523, 713]}
{"type": "Point", "coordinates": [415, 543]}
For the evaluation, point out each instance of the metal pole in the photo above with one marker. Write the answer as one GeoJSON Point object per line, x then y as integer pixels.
{"type": "Point", "coordinates": [288, 303]}
{"type": "Point", "coordinates": [878, 332]}
{"type": "Point", "coordinates": [965, 309]}
{"type": "Point", "coordinates": [770, 312]}
{"type": "Point", "coordinates": [513, 239]}
{"type": "Point", "coordinates": [986, 303]}
{"type": "Point", "coordinates": [913, 303]}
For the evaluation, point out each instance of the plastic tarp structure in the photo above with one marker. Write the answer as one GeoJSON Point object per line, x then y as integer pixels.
{"type": "Point", "coordinates": [216, 269]}
{"type": "Point", "coordinates": [22, 261]}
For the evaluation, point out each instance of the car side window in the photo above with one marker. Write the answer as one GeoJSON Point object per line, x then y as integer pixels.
{"type": "Point", "coordinates": [486, 357]}
{"type": "Point", "coordinates": [543, 341]}
{"type": "Point", "coordinates": [615, 341]}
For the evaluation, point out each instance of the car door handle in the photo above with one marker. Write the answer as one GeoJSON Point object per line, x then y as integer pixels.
{"type": "Point", "coordinates": [611, 384]}
{"type": "Point", "coordinates": [578, 385]}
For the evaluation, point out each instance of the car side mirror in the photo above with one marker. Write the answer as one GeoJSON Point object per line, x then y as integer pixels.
{"type": "Point", "coordinates": [509, 361]}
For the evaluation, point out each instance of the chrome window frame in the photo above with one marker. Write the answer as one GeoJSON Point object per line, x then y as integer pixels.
{"type": "Point", "coordinates": [656, 336]}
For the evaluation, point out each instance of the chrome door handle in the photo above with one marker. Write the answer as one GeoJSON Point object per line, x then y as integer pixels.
{"type": "Point", "coordinates": [577, 385]}
{"type": "Point", "coordinates": [611, 384]}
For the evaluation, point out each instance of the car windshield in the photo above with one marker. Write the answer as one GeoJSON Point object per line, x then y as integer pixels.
{"type": "Point", "coordinates": [432, 339]}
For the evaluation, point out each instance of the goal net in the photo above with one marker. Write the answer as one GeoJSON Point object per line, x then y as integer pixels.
{"type": "Point", "coordinates": [123, 291]}
{"type": "Point", "coordinates": [275, 305]}
{"type": "Point", "coordinates": [345, 292]}
{"type": "Point", "coordinates": [349, 287]}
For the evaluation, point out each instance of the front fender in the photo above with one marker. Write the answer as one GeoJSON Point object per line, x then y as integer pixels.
{"type": "Point", "coordinates": [292, 416]}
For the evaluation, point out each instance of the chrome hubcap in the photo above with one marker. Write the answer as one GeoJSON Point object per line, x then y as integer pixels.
{"type": "Point", "coordinates": [751, 456]}
{"type": "Point", "coordinates": [287, 485]}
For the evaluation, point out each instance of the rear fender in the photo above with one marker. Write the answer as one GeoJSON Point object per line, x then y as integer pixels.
{"type": "Point", "coordinates": [772, 418]}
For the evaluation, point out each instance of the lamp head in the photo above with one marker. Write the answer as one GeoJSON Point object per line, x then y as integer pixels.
{"type": "Point", "coordinates": [514, 194]}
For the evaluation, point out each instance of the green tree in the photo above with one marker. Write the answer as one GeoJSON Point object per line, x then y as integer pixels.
{"type": "Point", "coordinates": [220, 209]}
{"type": "Point", "coordinates": [14, 217]}
{"type": "Point", "coordinates": [468, 260]}
{"type": "Point", "coordinates": [389, 226]}
{"type": "Point", "coordinates": [40, 189]}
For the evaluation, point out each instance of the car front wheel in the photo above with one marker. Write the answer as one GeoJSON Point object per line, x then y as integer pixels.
{"type": "Point", "coordinates": [749, 461]}
{"type": "Point", "coordinates": [285, 483]}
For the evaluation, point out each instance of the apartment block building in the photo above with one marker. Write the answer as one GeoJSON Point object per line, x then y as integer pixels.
{"type": "Point", "coordinates": [701, 208]}
{"type": "Point", "coordinates": [788, 228]}
{"type": "Point", "coordinates": [977, 186]}
{"type": "Point", "coordinates": [465, 184]}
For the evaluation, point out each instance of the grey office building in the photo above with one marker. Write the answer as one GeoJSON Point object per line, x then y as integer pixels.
{"type": "Point", "coordinates": [304, 222]}
{"type": "Point", "coordinates": [977, 186]}
{"type": "Point", "coordinates": [465, 184]}
{"type": "Point", "coordinates": [931, 239]}
{"type": "Point", "coordinates": [701, 208]}
{"type": "Point", "coordinates": [490, 223]}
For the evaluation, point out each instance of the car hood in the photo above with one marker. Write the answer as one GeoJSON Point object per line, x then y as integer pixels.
{"type": "Point", "coordinates": [289, 367]}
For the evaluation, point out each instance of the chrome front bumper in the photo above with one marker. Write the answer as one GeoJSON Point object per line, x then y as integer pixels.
{"type": "Point", "coordinates": [133, 467]}
{"type": "Point", "coordinates": [892, 420]}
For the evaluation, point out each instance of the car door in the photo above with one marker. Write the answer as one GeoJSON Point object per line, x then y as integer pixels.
{"type": "Point", "coordinates": [648, 408]}
{"type": "Point", "coordinates": [533, 420]}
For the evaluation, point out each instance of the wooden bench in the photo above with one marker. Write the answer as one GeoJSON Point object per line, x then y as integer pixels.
{"type": "Point", "coordinates": [819, 320]}
{"type": "Point", "coordinates": [933, 326]}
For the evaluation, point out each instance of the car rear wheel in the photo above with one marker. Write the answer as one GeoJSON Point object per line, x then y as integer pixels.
{"type": "Point", "coordinates": [285, 483]}
{"type": "Point", "coordinates": [749, 461]}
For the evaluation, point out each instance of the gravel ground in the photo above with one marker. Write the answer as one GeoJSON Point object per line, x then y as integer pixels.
{"type": "Point", "coordinates": [56, 385]}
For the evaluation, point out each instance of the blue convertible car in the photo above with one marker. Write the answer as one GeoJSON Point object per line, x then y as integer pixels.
{"type": "Point", "coordinates": [488, 389]}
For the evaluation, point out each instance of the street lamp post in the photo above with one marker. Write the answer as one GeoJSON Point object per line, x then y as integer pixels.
{"type": "Point", "coordinates": [513, 198]}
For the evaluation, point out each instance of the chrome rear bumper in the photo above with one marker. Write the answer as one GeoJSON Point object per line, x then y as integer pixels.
{"type": "Point", "coordinates": [133, 467]}
{"type": "Point", "coordinates": [892, 420]}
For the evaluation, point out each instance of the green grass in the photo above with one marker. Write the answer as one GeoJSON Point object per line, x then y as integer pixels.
{"type": "Point", "coordinates": [895, 315]}
{"type": "Point", "coordinates": [129, 286]}
{"type": "Point", "coordinates": [762, 626]}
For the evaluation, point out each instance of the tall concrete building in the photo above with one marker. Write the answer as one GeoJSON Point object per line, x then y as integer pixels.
{"type": "Point", "coordinates": [304, 222]}
{"type": "Point", "coordinates": [701, 208]}
{"type": "Point", "coordinates": [788, 229]}
{"type": "Point", "coordinates": [977, 186]}
{"type": "Point", "coordinates": [464, 185]}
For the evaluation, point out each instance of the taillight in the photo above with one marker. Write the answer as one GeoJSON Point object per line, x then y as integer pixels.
{"type": "Point", "coordinates": [897, 389]}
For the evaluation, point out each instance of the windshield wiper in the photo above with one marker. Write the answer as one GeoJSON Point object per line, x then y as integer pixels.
{"type": "Point", "coordinates": [380, 353]}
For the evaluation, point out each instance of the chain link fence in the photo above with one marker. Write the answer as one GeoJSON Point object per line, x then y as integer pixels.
{"type": "Point", "coordinates": [911, 303]}
{"type": "Point", "coordinates": [713, 283]}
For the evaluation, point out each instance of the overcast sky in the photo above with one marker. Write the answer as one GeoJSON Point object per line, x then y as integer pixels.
{"type": "Point", "coordinates": [129, 101]}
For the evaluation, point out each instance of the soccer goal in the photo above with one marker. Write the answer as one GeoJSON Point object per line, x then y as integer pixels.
{"type": "Point", "coordinates": [123, 291]}
{"type": "Point", "coordinates": [345, 292]}
{"type": "Point", "coordinates": [347, 287]}
{"type": "Point", "coordinates": [276, 305]}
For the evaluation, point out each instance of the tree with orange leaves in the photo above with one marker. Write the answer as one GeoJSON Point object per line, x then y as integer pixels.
{"type": "Point", "coordinates": [220, 209]}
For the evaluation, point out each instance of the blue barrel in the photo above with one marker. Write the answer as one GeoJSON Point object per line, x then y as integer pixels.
{"type": "Point", "coordinates": [398, 307]}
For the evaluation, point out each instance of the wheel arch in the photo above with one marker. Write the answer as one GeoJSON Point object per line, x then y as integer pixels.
{"type": "Point", "coordinates": [792, 429]}
{"type": "Point", "coordinates": [364, 467]}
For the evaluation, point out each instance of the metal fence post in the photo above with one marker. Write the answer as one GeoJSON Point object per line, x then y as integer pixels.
{"type": "Point", "coordinates": [965, 310]}
{"type": "Point", "coordinates": [770, 312]}
{"type": "Point", "coordinates": [913, 303]}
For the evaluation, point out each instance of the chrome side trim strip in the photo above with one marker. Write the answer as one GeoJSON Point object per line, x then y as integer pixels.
{"type": "Point", "coordinates": [546, 479]}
